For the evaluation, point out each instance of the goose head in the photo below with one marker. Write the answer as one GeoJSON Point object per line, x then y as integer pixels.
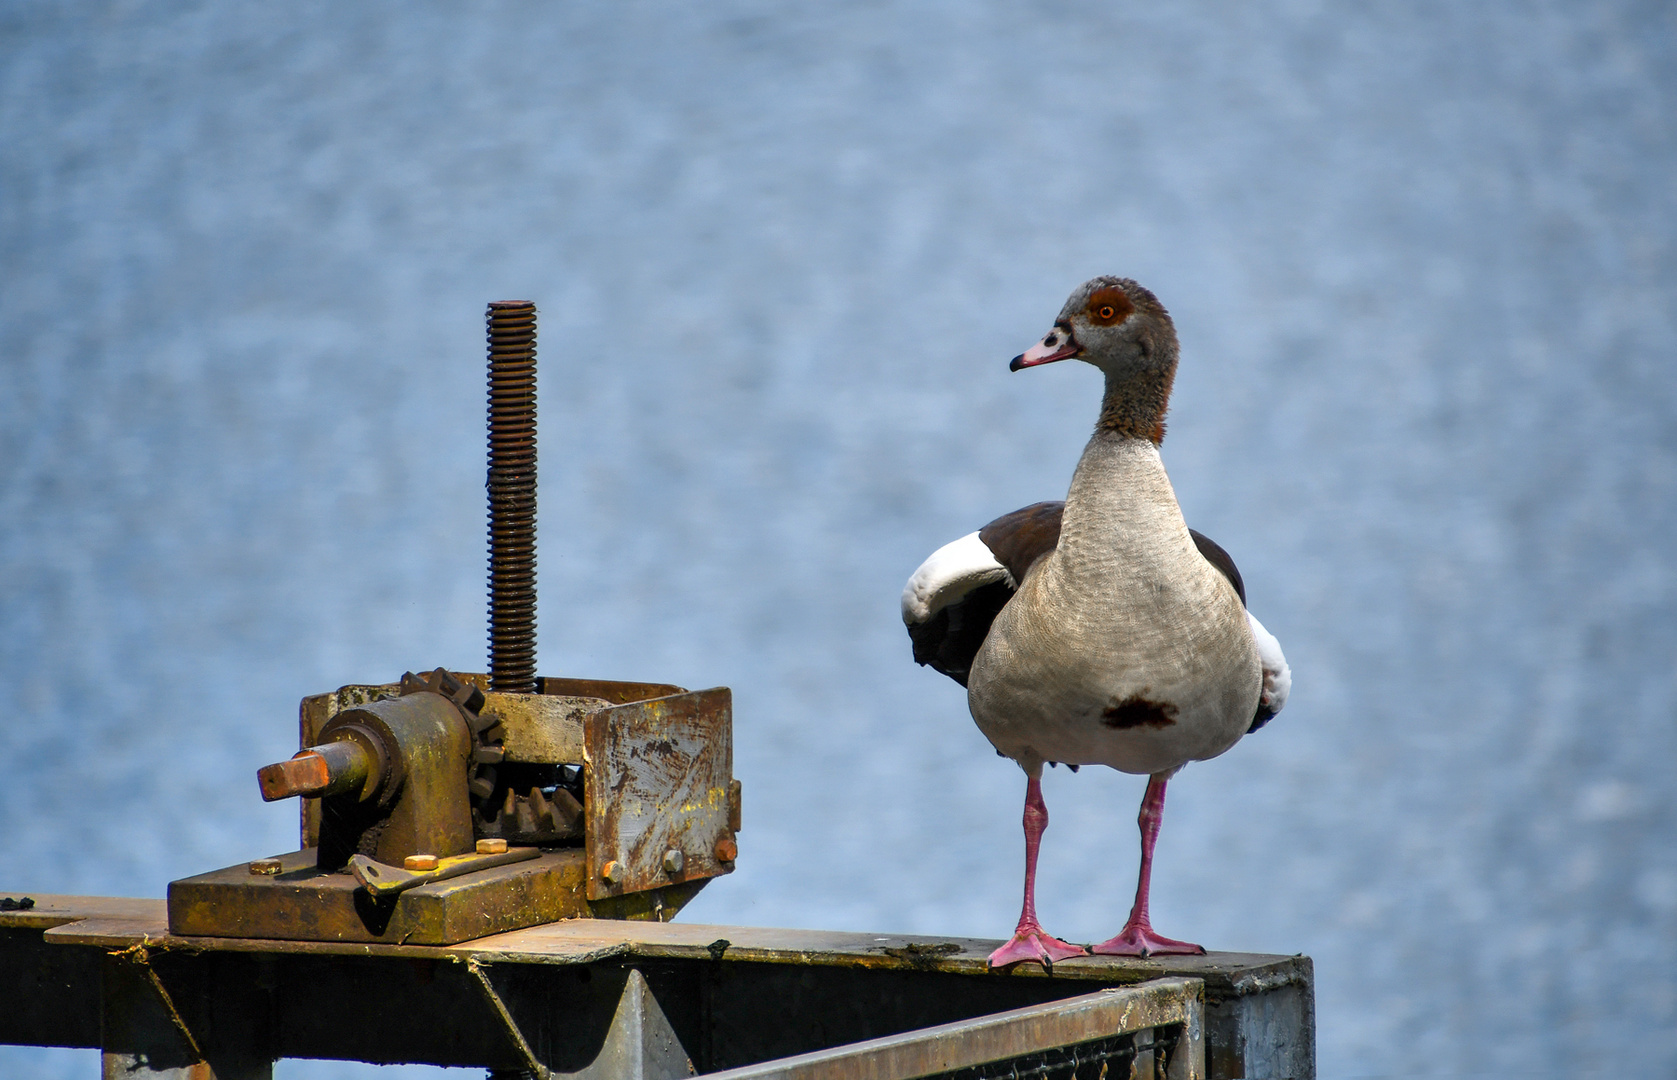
{"type": "Point", "coordinates": [1112, 323]}
{"type": "Point", "coordinates": [1121, 328]}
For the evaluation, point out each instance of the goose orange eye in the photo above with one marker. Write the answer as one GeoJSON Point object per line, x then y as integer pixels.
{"type": "Point", "coordinates": [1109, 306]}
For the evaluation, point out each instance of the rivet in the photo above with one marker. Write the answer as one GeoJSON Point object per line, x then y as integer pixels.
{"type": "Point", "coordinates": [612, 872]}
{"type": "Point", "coordinates": [495, 846]}
{"type": "Point", "coordinates": [419, 863]}
{"type": "Point", "coordinates": [674, 860]}
{"type": "Point", "coordinates": [727, 850]}
{"type": "Point", "coordinates": [267, 867]}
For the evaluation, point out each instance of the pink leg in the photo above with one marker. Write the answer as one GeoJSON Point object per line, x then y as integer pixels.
{"type": "Point", "coordinates": [1137, 938]}
{"type": "Point", "coordinates": [1029, 941]}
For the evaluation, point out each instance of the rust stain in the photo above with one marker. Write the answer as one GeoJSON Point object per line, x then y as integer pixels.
{"type": "Point", "coordinates": [659, 778]}
{"type": "Point", "coordinates": [922, 956]}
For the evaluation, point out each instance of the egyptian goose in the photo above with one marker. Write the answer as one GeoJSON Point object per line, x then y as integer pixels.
{"type": "Point", "coordinates": [1101, 630]}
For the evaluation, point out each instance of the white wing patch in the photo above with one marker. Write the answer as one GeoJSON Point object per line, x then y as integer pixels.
{"type": "Point", "coordinates": [953, 571]}
{"type": "Point", "coordinates": [1278, 677]}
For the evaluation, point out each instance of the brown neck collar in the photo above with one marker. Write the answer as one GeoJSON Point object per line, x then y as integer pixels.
{"type": "Point", "coordinates": [1135, 403]}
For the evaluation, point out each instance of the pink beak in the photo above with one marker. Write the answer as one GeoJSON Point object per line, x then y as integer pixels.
{"type": "Point", "coordinates": [1058, 345]}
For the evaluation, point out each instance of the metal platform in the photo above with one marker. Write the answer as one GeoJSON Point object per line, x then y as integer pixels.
{"type": "Point", "coordinates": [607, 999]}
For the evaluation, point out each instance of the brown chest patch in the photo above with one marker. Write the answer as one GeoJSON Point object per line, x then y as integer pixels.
{"type": "Point", "coordinates": [1136, 711]}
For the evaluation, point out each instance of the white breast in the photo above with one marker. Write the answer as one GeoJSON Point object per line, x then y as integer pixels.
{"type": "Point", "coordinates": [1124, 647]}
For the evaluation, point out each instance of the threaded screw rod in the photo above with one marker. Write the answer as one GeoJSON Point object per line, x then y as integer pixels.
{"type": "Point", "coordinates": [512, 496]}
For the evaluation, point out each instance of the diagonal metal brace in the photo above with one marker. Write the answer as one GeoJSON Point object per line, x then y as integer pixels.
{"type": "Point", "coordinates": [508, 1025]}
{"type": "Point", "coordinates": [137, 958]}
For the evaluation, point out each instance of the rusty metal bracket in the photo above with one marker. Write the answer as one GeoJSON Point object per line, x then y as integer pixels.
{"type": "Point", "coordinates": [381, 880]}
{"type": "Point", "coordinates": [659, 781]}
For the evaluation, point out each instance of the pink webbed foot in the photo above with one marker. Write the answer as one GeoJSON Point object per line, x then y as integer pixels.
{"type": "Point", "coordinates": [1138, 939]}
{"type": "Point", "coordinates": [1034, 943]}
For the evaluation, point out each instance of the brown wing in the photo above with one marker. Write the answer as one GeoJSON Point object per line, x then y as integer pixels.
{"type": "Point", "coordinates": [1216, 556]}
{"type": "Point", "coordinates": [950, 639]}
{"type": "Point", "coordinates": [1019, 539]}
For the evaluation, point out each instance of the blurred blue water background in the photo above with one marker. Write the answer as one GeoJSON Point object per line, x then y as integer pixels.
{"type": "Point", "coordinates": [1422, 263]}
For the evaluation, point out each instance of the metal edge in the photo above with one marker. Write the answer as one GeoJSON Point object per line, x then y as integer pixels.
{"type": "Point", "coordinates": [614, 691]}
{"type": "Point", "coordinates": [83, 921]}
{"type": "Point", "coordinates": [1003, 1035]}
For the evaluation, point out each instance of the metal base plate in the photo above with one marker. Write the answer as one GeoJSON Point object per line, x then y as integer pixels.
{"type": "Point", "coordinates": [303, 903]}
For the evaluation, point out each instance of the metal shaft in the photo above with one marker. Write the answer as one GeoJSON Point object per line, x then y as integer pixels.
{"type": "Point", "coordinates": [318, 770]}
{"type": "Point", "coordinates": [512, 496]}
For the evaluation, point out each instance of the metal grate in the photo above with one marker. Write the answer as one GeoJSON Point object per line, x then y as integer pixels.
{"type": "Point", "coordinates": [1130, 1056]}
{"type": "Point", "coordinates": [1149, 1031]}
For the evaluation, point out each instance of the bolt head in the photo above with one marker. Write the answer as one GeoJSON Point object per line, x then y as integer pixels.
{"type": "Point", "coordinates": [612, 872]}
{"type": "Point", "coordinates": [495, 846]}
{"type": "Point", "coordinates": [727, 849]}
{"type": "Point", "coordinates": [266, 867]}
{"type": "Point", "coordinates": [419, 863]}
{"type": "Point", "coordinates": [674, 860]}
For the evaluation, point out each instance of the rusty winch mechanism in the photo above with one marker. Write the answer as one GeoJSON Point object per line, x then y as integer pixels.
{"type": "Point", "coordinates": [449, 806]}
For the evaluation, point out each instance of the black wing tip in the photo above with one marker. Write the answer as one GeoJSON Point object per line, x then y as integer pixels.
{"type": "Point", "coordinates": [949, 640]}
{"type": "Point", "coordinates": [931, 646]}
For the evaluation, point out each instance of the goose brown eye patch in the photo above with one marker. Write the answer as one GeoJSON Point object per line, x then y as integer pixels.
{"type": "Point", "coordinates": [1109, 307]}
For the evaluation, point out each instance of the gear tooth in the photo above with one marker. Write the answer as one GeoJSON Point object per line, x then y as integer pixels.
{"type": "Point", "coordinates": [556, 814]}
{"type": "Point", "coordinates": [567, 803]}
{"type": "Point", "coordinates": [566, 813]}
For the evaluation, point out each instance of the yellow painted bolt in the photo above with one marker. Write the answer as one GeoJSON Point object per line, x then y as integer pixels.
{"type": "Point", "coordinates": [612, 872]}
{"type": "Point", "coordinates": [419, 863]}
{"type": "Point", "coordinates": [492, 847]}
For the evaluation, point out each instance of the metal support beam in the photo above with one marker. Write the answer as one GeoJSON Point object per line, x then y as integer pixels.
{"type": "Point", "coordinates": [144, 1036]}
{"type": "Point", "coordinates": [641, 1044]}
{"type": "Point", "coordinates": [595, 999]}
